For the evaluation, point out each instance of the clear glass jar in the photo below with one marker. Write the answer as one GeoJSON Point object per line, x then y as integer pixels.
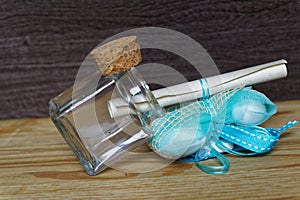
{"type": "Point", "coordinates": [82, 116]}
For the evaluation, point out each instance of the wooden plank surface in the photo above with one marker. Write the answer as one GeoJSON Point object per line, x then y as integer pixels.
{"type": "Point", "coordinates": [42, 43]}
{"type": "Point", "coordinates": [36, 163]}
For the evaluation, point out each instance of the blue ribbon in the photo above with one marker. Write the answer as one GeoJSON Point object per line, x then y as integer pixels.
{"type": "Point", "coordinates": [204, 87]}
{"type": "Point", "coordinates": [255, 139]}
{"type": "Point", "coordinates": [204, 155]}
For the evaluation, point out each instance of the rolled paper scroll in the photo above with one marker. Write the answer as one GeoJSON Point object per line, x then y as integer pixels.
{"type": "Point", "coordinates": [205, 87]}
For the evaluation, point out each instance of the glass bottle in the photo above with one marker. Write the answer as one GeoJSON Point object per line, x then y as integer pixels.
{"type": "Point", "coordinates": [82, 116]}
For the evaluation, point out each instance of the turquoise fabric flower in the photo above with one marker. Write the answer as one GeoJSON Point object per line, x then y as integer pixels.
{"type": "Point", "coordinates": [248, 107]}
{"type": "Point", "coordinates": [187, 128]}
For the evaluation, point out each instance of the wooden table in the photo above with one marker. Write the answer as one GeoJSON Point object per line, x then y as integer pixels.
{"type": "Point", "coordinates": [36, 163]}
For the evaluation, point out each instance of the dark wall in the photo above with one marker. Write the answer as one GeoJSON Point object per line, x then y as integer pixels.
{"type": "Point", "coordinates": [42, 43]}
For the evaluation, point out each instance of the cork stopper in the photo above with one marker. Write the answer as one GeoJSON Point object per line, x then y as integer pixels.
{"type": "Point", "coordinates": [117, 55]}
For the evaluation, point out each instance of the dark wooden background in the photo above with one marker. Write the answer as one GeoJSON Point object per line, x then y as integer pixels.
{"type": "Point", "coordinates": [42, 43]}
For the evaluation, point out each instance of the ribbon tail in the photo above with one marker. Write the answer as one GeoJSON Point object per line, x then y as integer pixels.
{"type": "Point", "coordinates": [287, 126]}
{"type": "Point", "coordinates": [254, 139]}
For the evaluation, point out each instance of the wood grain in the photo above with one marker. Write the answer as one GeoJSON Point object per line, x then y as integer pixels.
{"type": "Point", "coordinates": [42, 43]}
{"type": "Point", "coordinates": [36, 163]}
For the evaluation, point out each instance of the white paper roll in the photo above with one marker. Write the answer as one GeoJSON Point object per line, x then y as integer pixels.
{"type": "Point", "coordinates": [193, 90]}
